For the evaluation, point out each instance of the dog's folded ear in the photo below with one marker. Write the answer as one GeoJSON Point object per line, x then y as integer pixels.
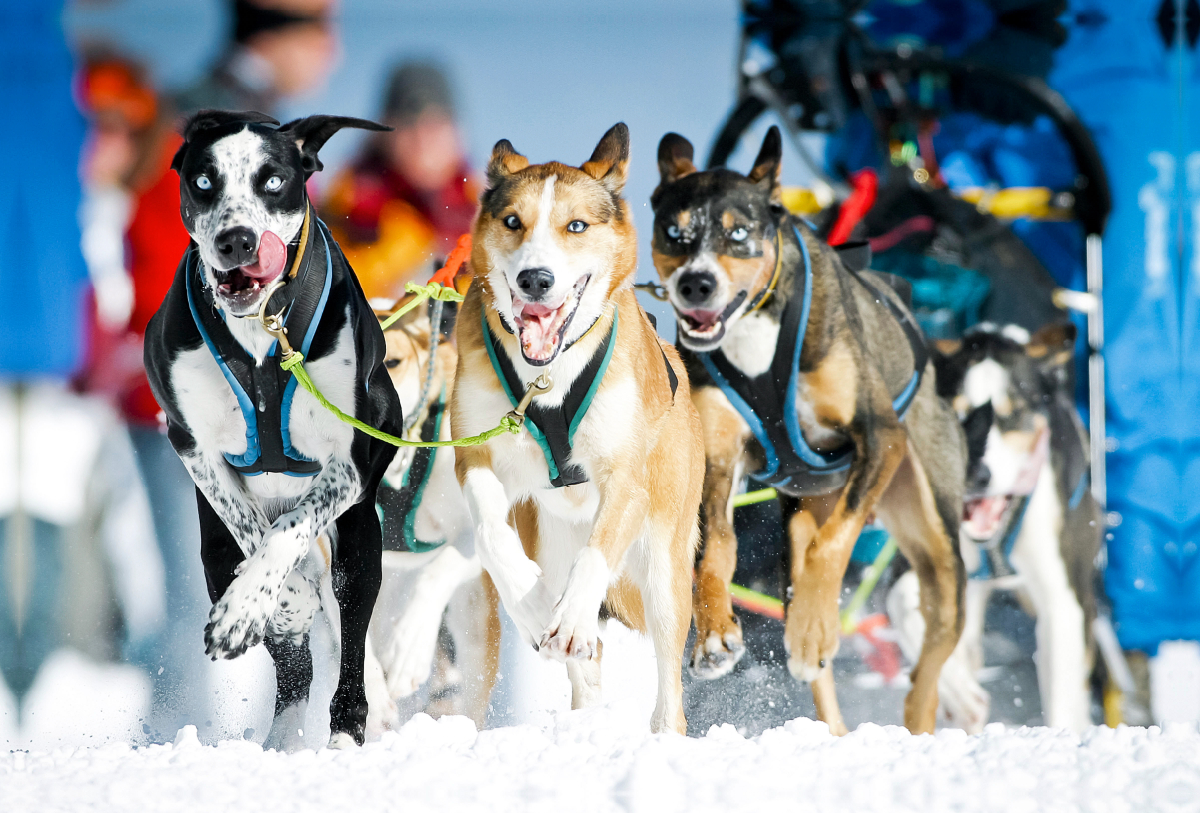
{"type": "Point", "coordinates": [202, 120]}
{"type": "Point", "coordinates": [675, 156]}
{"type": "Point", "coordinates": [504, 162]}
{"type": "Point", "coordinates": [768, 164]}
{"type": "Point", "coordinates": [609, 163]}
{"type": "Point", "coordinates": [312, 132]}
{"type": "Point", "coordinates": [976, 427]}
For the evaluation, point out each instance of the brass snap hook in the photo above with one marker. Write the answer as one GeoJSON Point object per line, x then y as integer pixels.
{"type": "Point", "coordinates": [655, 290]}
{"type": "Point", "coordinates": [539, 386]}
{"type": "Point", "coordinates": [273, 323]}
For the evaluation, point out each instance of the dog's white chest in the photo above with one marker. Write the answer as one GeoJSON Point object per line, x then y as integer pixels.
{"type": "Point", "coordinates": [208, 403]}
{"type": "Point", "coordinates": [750, 345]}
{"type": "Point", "coordinates": [214, 416]}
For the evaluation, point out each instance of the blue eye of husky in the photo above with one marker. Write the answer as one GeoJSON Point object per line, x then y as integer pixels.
{"type": "Point", "coordinates": [273, 183]}
{"type": "Point", "coordinates": [739, 234]}
{"type": "Point", "coordinates": [202, 182]}
{"type": "Point", "coordinates": [673, 231]}
{"type": "Point", "coordinates": [577, 226]}
{"type": "Point", "coordinates": [513, 222]}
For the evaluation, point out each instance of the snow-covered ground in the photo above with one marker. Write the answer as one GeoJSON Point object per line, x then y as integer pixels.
{"type": "Point", "coordinates": [81, 718]}
{"type": "Point", "coordinates": [604, 760]}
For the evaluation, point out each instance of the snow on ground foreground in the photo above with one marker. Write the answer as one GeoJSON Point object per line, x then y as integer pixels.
{"type": "Point", "coordinates": [603, 760]}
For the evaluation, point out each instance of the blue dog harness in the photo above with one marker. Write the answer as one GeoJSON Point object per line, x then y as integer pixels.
{"type": "Point", "coordinates": [767, 402]}
{"type": "Point", "coordinates": [264, 392]}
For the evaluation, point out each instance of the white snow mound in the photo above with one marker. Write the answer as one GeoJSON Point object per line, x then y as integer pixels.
{"type": "Point", "coordinates": [600, 760]}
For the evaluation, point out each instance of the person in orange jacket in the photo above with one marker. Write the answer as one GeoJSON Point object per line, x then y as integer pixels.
{"type": "Point", "coordinates": [398, 211]}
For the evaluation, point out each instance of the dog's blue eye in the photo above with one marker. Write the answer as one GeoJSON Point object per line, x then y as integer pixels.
{"type": "Point", "coordinates": [202, 182]}
{"type": "Point", "coordinates": [273, 183]}
{"type": "Point", "coordinates": [577, 226]}
{"type": "Point", "coordinates": [739, 234]}
{"type": "Point", "coordinates": [673, 231]}
{"type": "Point", "coordinates": [513, 222]}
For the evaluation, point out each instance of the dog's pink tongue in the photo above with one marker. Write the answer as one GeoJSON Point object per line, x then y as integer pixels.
{"type": "Point", "coordinates": [983, 516]}
{"type": "Point", "coordinates": [538, 333]}
{"type": "Point", "coordinates": [272, 256]}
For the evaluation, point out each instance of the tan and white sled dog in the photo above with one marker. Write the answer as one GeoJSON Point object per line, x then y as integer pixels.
{"type": "Point", "coordinates": [609, 465]}
{"type": "Point", "coordinates": [430, 567]}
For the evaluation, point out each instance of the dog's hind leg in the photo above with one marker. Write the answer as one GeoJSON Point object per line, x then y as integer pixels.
{"type": "Point", "coordinates": [473, 619]}
{"type": "Point", "coordinates": [925, 526]}
{"type": "Point", "coordinates": [719, 643]}
{"type": "Point", "coordinates": [357, 574]}
{"type": "Point", "coordinates": [585, 680]}
{"type": "Point", "coordinates": [293, 678]}
{"type": "Point", "coordinates": [964, 701]}
{"type": "Point", "coordinates": [662, 573]}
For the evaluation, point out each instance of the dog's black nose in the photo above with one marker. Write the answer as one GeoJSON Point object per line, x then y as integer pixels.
{"type": "Point", "coordinates": [696, 287]}
{"type": "Point", "coordinates": [237, 245]}
{"type": "Point", "coordinates": [535, 282]}
{"type": "Point", "coordinates": [979, 478]}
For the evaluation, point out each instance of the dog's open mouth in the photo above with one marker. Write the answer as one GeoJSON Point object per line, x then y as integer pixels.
{"type": "Point", "coordinates": [541, 328]}
{"type": "Point", "coordinates": [241, 286]}
{"type": "Point", "coordinates": [704, 329]}
{"type": "Point", "coordinates": [984, 517]}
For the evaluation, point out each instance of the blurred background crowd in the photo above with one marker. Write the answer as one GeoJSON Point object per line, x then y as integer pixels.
{"type": "Point", "coordinates": [102, 597]}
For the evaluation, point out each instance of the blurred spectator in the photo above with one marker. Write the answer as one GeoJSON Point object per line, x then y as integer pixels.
{"type": "Point", "coordinates": [280, 48]}
{"type": "Point", "coordinates": [127, 171]}
{"type": "Point", "coordinates": [404, 203]}
{"type": "Point", "coordinates": [50, 439]}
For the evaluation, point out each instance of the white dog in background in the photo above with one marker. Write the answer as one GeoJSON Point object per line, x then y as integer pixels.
{"type": "Point", "coordinates": [430, 568]}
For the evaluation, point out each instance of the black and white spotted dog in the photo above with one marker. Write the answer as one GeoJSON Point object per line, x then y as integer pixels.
{"type": "Point", "coordinates": [277, 475]}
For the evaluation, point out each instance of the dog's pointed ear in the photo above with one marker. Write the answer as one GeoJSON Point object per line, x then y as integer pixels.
{"type": "Point", "coordinates": [505, 161]}
{"type": "Point", "coordinates": [202, 120]}
{"type": "Point", "coordinates": [768, 163]}
{"type": "Point", "coordinates": [177, 161]}
{"type": "Point", "coordinates": [675, 154]}
{"type": "Point", "coordinates": [1052, 347]}
{"type": "Point", "coordinates": [609, 163]}
{"type": "Point", "coordinates": [946, 374]}
{"type": "Point", "coordinates": [311, 133]}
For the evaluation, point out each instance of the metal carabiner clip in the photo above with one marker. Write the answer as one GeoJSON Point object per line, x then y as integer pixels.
{"type": "Point", "coordinates": [273, 323]}
{"type": "Point", "coordinates": [539, 386]}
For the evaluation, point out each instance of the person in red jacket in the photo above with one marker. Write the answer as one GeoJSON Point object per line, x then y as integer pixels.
{"type": "Point", "coordinates": [400, 209]}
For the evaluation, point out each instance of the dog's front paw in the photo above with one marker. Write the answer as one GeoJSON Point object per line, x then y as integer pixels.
{"type": "Point", "coordinates": [718, 649]}
{"type": "Point", "coordinates": [571, 633]}
{"type": "Point", "coordinates": [532, 613]}
{"type": "Point", "coordinates": [810, 637]}
{"type": "Point", "coordinates": [238, 620]}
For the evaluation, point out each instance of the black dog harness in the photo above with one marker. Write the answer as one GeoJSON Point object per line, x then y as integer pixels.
{"type": "Point", "coordinates": [553, 427]}
{"type": "Point", "coordinates": [397, 504]}
{"type": "Point", "coordinates": [264, 392]}
{"type": "Point", "coordinates": [767, 402]}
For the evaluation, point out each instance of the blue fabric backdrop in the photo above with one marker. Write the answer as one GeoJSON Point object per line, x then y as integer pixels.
{"type": "Point", "coordinates": [42, 272]}
{"type": "Point", "coordinates": [1134, 92]}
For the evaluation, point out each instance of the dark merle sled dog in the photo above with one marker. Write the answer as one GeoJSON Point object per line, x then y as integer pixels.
{"type": "Point", "coordinates": [286, 492]}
